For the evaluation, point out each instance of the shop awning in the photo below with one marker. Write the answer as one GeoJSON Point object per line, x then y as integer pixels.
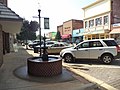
{"type": "Point", "coordinates": [66, 36]}
{"type": "Point", "coordinates": [115, 31]}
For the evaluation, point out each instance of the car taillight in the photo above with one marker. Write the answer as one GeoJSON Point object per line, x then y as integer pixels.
{"type": "Point", "coordinates": [118, 48]}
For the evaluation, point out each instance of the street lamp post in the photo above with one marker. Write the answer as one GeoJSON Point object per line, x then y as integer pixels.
{"type": "Point", "coordinates": [39, 29]}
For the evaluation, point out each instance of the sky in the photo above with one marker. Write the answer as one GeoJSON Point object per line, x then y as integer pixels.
{"type": "Point", "coordinates": [58, 11]}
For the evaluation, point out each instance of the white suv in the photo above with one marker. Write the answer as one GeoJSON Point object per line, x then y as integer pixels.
{"type": "Point", "coordinates": [100, 49]}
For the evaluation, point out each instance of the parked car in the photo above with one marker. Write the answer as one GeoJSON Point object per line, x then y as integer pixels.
{"type": "Point", "coordinates": [35, 43]}
{"type": "Point", "coordinates": [57, 47]}
{"type": "Point", "coordinates": [47, 44]}
{"type": "Point", "coordinates": [53, 48]}
{"type": "Point", "coordinates": [99, 49]}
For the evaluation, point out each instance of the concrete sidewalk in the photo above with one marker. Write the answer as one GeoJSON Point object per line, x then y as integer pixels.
{"type": "Point", "coordinates": [8, 81]}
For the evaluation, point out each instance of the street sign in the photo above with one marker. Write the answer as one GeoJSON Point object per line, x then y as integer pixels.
{"type": "Point", "coordinates": [46, 23]}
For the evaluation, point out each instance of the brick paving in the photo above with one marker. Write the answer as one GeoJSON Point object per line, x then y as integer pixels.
{"type": "Point", "coordinates": [109, 74]}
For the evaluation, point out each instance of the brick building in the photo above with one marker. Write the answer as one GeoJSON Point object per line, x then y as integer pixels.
{"type": "Point", "coordinates": [115, 12]}
{"type": "Point", "coordinates": [60, 29]}
{"type": "Point", "coordinates": [70, 25]}
{"type": "Point", "coordinates": [67, 28]}
{"type": "Point", "coordinates": [10, 24]}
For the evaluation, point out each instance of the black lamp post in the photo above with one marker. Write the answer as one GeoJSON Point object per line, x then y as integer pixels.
{"type": "Point", "coordinates": [45, 54]}
{"type": "Point", "coordinates": [39, 29]}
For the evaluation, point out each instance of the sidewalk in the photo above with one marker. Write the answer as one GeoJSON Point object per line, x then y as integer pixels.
{"type": "Point", "coordinates": [8, 81]}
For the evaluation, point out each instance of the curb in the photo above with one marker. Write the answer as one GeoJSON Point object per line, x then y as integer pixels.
{"type": "Point", "coordinates": [90, 78]}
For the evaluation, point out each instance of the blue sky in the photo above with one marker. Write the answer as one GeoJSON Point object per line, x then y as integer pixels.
{"type": "Point", "coordinates": [58, 11]}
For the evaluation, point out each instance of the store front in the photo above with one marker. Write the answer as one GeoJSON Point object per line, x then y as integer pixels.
{"type": "Point", "coordinates": [67, 38]}
{"type": "Point", "coordinates": [98, 34]}
{"type": "Point", "coordinates": [77, 35]}
{"type": "Point", "coordinates": [115, 33]}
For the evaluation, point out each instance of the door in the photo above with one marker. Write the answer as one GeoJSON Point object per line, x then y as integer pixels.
{"type": "Point", "coordinates": [96, 48]}
{"type": "Point", "coordinates": [82, 51]}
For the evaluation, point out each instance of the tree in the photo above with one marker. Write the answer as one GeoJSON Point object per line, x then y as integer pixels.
{"type": "Point", "coordinates": [58, 36]}
{"type": "Point", "coordinates": [28, 31]}
{"type": "Point", "coordinates": [34, 26]}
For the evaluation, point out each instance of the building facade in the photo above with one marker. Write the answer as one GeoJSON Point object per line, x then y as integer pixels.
{"type": "Point", "coordinates": [60, 29]}
{"type": "Point", "coordinates": [98, 18]}
{"type": "Point", "coordinates": [77, 35]}
{"type": "Point", "coordinates": [10, 24]}
{"type": "Point", "coordinates": [70, 25]}
{"type": "Point", "coordinates": [67, 28]}
{"type": "Point", "coordinates": [51, 35]}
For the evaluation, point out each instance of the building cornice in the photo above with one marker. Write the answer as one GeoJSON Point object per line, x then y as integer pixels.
{"type": "Point", "coordinates": [72, 20]}
{"type": "Point", "coordinates": [92, 4]}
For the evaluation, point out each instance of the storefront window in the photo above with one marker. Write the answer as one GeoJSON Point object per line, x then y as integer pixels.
{"type": "Point", "coordinates": [98, 21]}
{"type": "Point", "coordinates": [105, 20]}
{"type": "Point", "coordinates": [91, 23]}
{"type": "Point", "coordinates": [86, 24]}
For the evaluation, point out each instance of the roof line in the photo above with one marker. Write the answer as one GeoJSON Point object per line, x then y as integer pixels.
{"type": "Point", "coordinates": [6, 13]}
{"type": "Point", "coordinates": [98, 1]}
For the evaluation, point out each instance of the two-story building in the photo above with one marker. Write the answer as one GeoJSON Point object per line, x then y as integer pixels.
{"type": "Point", "coordinates": [98, 18]}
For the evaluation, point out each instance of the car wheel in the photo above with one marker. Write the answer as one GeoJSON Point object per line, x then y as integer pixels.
{"type": "Point", "coordinates": [107, 58]}
{"type": "Point", "coordinates": [68, 58]}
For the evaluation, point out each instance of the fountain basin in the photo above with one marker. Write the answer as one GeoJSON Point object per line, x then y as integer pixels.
{"type": "Point", "coordinates": [37, 67]}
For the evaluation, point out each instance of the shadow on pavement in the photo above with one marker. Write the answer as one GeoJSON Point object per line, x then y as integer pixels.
{"type": "Point", "coordinates": [97, 62]}
{"type": "Point", "coordinates": [21, 72]}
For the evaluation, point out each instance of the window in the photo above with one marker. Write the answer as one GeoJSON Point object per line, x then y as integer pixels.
{"type": "Point", "coordinates": [110, 42]}
{"type": "Point", "coordinates": [48, 43]}
{"type": "Point", "coordinates": [86, 24]}
{"type": "Point", "coordinates": [98, 21]}
{"type": "Point", "coordinates": [95, 44]}
{"type": "Point", "coordinates": [56, 45]}
{"type": "Point", "coordinates": [85, 45]}
{"type": "Point", "coordinates": [105, 20]}
{"type": "Point", "coordinates": [91, 23]}
{"type": "Point", "coordinates": [61, 45]}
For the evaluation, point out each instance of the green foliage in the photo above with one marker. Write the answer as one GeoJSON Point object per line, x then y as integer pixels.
{"type": "Point", "coordinates": [58, 36]}
{"type": "Point", "coordinates": [34, 26]}
{"type": "Point", "coordinates": [28, 31]}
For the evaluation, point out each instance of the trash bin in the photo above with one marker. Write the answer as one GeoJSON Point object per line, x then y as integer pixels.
{"type": "Point", "coordinates": [35, 50]}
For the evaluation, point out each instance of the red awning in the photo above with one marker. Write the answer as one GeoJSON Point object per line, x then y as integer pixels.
{"type": "Point", "coordinates": [66, 36]}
